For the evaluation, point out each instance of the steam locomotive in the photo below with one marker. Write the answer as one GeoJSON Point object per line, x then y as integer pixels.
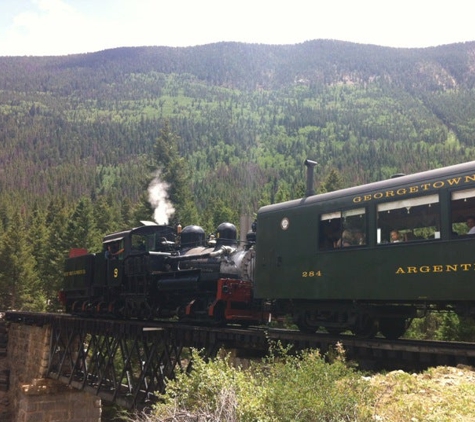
{"type": "Point", "coordinates": [155, 271]}
{"type": "Point", "coordinates": [368, 258]}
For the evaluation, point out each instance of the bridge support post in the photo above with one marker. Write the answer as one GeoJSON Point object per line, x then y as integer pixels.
{"type": "Point", "coordinates": [33, 397]}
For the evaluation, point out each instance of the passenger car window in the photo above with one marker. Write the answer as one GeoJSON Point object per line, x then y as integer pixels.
{"type": "Point", "coordinates": [339, 229]}
{"type": "Point", "coordinates": [407, 220]}
{"type": "Point", "coordinates": [462, 209]}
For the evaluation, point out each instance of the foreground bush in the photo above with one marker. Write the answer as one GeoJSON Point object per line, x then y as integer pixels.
{"type": "Point", "coordinates": [282, 388]}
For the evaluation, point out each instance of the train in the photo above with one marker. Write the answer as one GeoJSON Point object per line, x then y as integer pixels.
{"type": "Point", "coordinates": [364, 259]}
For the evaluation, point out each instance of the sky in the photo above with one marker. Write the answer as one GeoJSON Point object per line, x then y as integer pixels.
{"type": "Point", "coordinates": [61, 27]}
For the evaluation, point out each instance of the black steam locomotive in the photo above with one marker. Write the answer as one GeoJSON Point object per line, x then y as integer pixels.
{"type": "Point", "coordinates": [155, 271]}
{"type": "Point", "coordinates": [366, 259]}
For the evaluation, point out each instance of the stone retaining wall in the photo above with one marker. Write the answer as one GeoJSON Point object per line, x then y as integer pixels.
{"type": "Point", "coordinates": [31, 396]}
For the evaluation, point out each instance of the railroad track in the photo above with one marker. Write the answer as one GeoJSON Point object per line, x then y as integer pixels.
{"type": "Point", "coordinates": [376, 353]}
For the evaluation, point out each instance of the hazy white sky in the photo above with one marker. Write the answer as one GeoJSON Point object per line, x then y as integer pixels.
{"type": "Point", "coordinates": [59, 27]}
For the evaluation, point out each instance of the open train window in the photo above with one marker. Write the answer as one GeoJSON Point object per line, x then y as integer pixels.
{"type": "Point", "coordinates": [462, 210]}
{"type": "Point", "coordinates": [409, 219]}
{"type": "Point", "coordinates": [339, 229]}
{"type": "Point", "coordinates": [114, 249]}
{"type": "Point", "coordinates": [140, 242]}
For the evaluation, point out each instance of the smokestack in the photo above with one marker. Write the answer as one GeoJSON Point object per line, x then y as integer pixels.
{"type": "Point", "coordinates": [245, 223]}
{"type": "Point", "coordinates": [310, 165]}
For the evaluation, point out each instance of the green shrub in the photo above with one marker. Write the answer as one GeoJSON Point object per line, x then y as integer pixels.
{"type": "Point", "coordinates": [307, 388]}
{"type": "Point", "coordinates": [216, 391]}
{"type": "Point", "coordinates": [283, 387]}
{"type": "Point", "coordinates": [446, 326]}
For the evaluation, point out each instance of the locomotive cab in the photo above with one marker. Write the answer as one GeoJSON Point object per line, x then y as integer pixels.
{"type": "Point", "coordinates": [114, 255]}
{"type": "Point", "coordinates": [94, 283]}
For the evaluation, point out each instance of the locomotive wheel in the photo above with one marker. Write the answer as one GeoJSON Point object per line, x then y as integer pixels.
{"type": "Point", "coordinates": [367, 327]}
{"type": "Point", "coordinates": [75, 308]}
{"type": "Point", "coordinates": [115, 309]}
{"type": "Point", "coordinates": [392, 328]}
{"type": "Point", "coordinates": [305, 325]}
{"type": "Point", "coordinates": [146, 312]}
{"type": "Point", "coordinates": [220, 313]}
{"type": "Point", "coordinates": [101, 308]}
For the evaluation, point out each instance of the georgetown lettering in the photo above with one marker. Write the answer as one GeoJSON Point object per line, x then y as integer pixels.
{"type": "Point", "coordinates": [442, 268]}
{"type": "Point", "coordinates": [424, 187]}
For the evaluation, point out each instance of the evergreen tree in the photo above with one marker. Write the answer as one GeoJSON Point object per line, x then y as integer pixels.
{"type": "Point", "coordinates": [127, 213]}
{"type": "Point", "coordinates": [283, 192]}
{"type": "Point", "coordinates": [298, 190]}
{"type": "Point", "coordinates": [81, 229]}
{"type": "Point", "coordinates": [4, 217]}
{"type": "Point", "coordinates": [39, 235]}
{"type": "Point", "coordinates": [174, 171]}
{"type": "Point", "coordinates": [223, 214]}
{"type": "Point", "coordinates": [332, 182]}
{"type": "Point", "coordinates": [19, 281]}
{"type": "Point", "coordinates": [143, 212]}
{"type": "Point", "coordinates": [58, 246]}
{"type": "Point", "coordinates": [107, 215]}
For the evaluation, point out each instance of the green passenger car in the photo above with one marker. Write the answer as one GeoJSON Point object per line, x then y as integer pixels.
{"type": "Point", "coordinates": [371, 257]}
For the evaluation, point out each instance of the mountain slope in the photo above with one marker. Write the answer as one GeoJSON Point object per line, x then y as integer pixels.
{"type": "Point", "coordinates": [247, 114]}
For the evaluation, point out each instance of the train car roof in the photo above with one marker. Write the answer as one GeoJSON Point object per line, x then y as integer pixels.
{"type": "Point", "coordinates": [392, 183]}
{"type": "Point", "coordinates": [142, 230]}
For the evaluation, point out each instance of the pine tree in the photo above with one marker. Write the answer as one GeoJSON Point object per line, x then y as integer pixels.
{"type": "Point", "coordinates": [218, 212]}
{"type": "Point", "coordinates": [283, 193]}
{"type": "Point", "coordinates": [81, 229]}
{"type": "Point", "coordinates": [127, 213]}
{"type": "Point", "coordinates": [58, 246]}
{"type": "Point", "coordinates": [332, 182]}
{"type": "Point", "coordinates": [298, 190]}
{"type": "Point", "coordinates": [39, 235]}
{"type": "Point", "coordinates": [174, 171]}
{"type": "Point", "coordinates": [107, 215]}
{"type": "Point", "coordinates": [19, 281]}
{"type": "Point", "coordinates": [143, 212]}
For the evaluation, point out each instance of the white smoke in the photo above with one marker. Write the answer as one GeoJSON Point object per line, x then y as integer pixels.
{"type": "Point", "coordinates": [158, 198]}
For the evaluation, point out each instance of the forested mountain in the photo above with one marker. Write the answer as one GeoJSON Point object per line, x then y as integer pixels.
{"type": "Point", "coordinates": [77, 132]}
{"type": "Point", "coordinates": [78, 124]}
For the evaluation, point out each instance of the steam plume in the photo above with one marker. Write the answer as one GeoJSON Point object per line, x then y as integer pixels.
{"type": "Point", "coordinates": [158, 198]}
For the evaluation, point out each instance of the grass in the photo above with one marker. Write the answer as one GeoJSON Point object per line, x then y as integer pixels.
{"type": "Point", "coordinates": [439, 394]}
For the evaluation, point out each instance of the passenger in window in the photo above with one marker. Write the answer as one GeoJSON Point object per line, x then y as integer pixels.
{"type": "Point", "coordinates": [345, 240]}
{"type": "Point", "coordinates": [471, 225]}
{"type": "Point", "coordinates": [114, 250]}
{"type": "Point", "coordinates": [359, 238]}
{"type": "Point", "coordinates": [328, 236]}
{"type": "Point", "coordinates": [394, 236]}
